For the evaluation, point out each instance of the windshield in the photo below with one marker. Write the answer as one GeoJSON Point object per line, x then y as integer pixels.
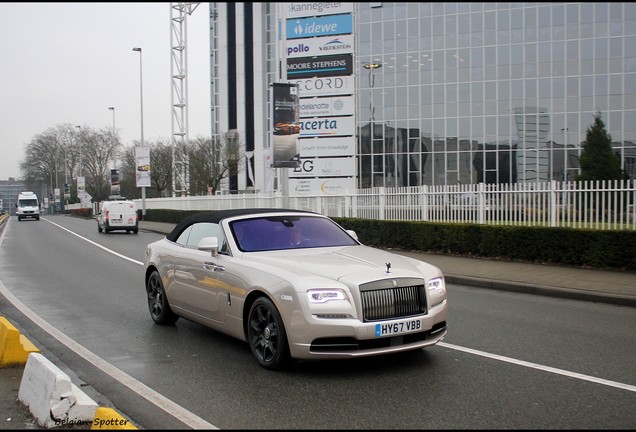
{"type": "Point", "coordinates": [284, 232]}
{"type": "Point", "coordinates": [28, 202]}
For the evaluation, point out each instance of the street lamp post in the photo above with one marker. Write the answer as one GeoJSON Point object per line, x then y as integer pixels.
{"type": "Point", "coordinates": [80, 173]}
{"type": "Point", "coordinates": [79, 179]}
{"type": "Point", "coordinates": [65, 165]}
{"type": "Point", "coordinates": [565, 154]}
{"type": "Point", "coordinates": [371, 67]}
{"type": "Point", "coordinates": [114, 155]}
{"type": "Point", "coordinates": [65, 178]}
{"type": "Point", "coordinates": [141, 103]}
{"type": "Point", "coordinates": [113, 110]}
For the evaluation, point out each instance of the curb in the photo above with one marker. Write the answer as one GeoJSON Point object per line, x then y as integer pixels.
{"type": "Point", "coordinates": [48, 392]}
{"type": "Point", "coordinates": [548, 291]}
{"type": "Point", "coordinates": [108, 418]}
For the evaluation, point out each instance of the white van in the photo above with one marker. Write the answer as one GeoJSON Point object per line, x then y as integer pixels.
{"type": "Point", "coordinates": [118, 215]}
{"type": "Point", "coordinates": [28, 206]}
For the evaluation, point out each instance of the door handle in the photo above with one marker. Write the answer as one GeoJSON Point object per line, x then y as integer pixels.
{"type": "Point", "coordinates": [211, 266]}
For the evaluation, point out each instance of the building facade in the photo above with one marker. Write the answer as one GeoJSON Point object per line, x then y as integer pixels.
{"type": "Point", "coordinates": [442, 93]}
{"type": "Point", "coordinates": [9, 190]}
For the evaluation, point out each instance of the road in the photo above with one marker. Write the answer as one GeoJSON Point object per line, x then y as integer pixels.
{"type": "Point", "coordinates": [510, 360]}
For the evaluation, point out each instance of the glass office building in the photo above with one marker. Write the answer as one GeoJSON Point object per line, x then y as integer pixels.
{"type": "Point", "coordinates": [453, 93]}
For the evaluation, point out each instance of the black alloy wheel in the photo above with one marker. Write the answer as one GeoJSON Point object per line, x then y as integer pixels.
{"type": "Point", "coordinates": [158, 306]}
{"type": "Point", "coordinates": [266, 335]}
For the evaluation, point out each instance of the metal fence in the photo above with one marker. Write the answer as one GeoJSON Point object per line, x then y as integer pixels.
{"type": "Point", "coordinates": [596, 205]}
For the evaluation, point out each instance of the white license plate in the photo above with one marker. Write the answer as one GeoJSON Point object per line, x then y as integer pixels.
{"type": "Point", "coordinates": [117, 221]}
{"type": "Point", "coordinates": [398, 328]}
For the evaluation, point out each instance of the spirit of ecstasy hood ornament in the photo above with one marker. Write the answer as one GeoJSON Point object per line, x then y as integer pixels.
{"type": "Point", "coordinates": [388, 268]}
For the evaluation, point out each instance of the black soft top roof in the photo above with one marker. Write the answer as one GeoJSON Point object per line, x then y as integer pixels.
{"type": "Point", "coordinates": [216, 216]}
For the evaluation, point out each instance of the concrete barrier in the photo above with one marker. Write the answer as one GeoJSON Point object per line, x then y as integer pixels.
{"type": "Point", "coordinates": [52, 399]}
{"type": "Point", "coordinates": [14, 347]}
{"type": "Point", "coordinates": [51, 396]}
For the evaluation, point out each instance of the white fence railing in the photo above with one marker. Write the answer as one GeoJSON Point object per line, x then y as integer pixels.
{"type": "Point", "coordinates": [596, 205]}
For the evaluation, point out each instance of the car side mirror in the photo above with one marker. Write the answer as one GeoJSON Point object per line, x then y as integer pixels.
{"type": "Point", "coordinates": [353, 234]}
{"type": "Point", "coordinates": [209, 244]}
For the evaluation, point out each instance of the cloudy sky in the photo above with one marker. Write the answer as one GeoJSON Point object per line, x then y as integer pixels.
{"type": "Point", "coordinates": [68, 62]}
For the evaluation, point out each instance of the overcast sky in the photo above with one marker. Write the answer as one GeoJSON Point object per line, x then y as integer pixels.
{"type": "Point", "coordinates": [69, 62]}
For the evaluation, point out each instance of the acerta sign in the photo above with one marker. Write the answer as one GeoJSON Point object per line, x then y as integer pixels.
{"type": "Point", "coordinates": [327, 126]}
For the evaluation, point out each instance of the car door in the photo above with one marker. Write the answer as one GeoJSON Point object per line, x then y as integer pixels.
{"type": "Point", "coordinates": [196, 287]}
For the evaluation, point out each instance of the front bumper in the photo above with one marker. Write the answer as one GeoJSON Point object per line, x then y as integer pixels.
{"type": "Point", "coordinates": [348, 338]}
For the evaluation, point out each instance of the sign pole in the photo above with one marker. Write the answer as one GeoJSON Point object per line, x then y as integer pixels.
{"type": "Point", "coordinates": [282, 52]}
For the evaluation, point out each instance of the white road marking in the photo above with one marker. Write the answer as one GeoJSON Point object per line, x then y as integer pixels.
{"type": "Point", "coordinates": [96, 244]}
{"type": "Point", "coordinates": [138, 387]}
{"type": "Point", "coordinates": [596, 380]}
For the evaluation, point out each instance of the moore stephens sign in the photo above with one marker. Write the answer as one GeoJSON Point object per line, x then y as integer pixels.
{"type": "Point", "coordinates": [331, 65]}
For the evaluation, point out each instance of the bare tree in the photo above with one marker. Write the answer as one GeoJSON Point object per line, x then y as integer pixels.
{"type": "Point", "coordinates": [211, 161]}
{"type": "Point", "coordinates": [160, 171]}
{"type": "Point", "coordinates": [42, 159]}
{"type": "Point", "coordinates": [201, 157]}
{"type": "Point", "coordinates": [50, 159]}
{"type": "Point", "coordinates": [127, 174]}
{"type": "Point", "coordinates": [99, 148]}
{"type": "Point", "coordinates": [62, 153]}
{"type": "Point", "coordinates": [53, 158]}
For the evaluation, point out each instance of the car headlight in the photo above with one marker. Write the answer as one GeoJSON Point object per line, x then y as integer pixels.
{"type": "Point", "coordinates": [324, 295]}
{"type": "Point", "coordinates": [436, 290]}
{"type": "Point", "coordinates": [436, 285]}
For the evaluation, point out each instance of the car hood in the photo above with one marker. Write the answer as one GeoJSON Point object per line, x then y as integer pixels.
{"type": "Point", "coordinates": [349, 264]}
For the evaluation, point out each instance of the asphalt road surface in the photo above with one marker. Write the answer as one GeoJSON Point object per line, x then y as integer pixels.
{"type": "Point", "coordinates": [509, 361]}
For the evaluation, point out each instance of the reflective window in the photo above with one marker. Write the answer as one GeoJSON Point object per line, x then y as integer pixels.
{"type": "Point", "coordinates": [630, 83]}
{"type": "Point", "coordinates": [191, 236]}
{"type": "Point", "coordinates": [485, 60]}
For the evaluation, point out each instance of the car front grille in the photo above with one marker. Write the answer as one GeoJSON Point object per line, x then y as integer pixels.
{"type": "Point", "coordinates": [404, 298]}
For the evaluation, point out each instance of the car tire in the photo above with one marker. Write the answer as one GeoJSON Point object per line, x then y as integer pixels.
{"type": "Point", "coordinates": [266, 335]}
{"type": "Point", "coordinates": [158, 306]}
